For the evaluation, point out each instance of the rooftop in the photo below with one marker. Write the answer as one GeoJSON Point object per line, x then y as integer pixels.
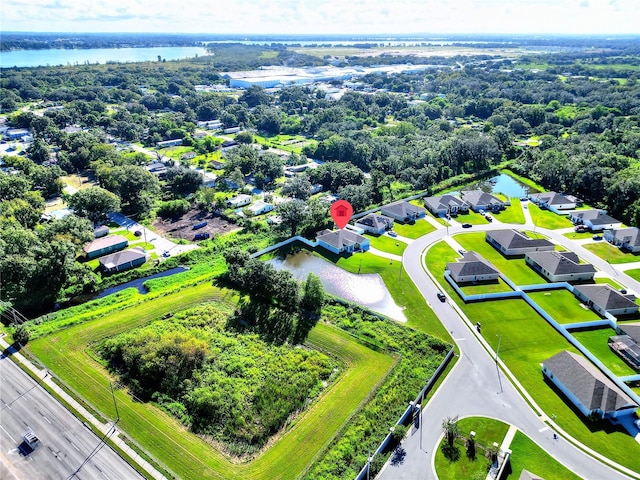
{"type": "Point", "coordinates": [104, 242]}
{"type": "Point", "coordinates": [340, 238]}
{"type": "Point", "coordinates": [471, 264]}
{"type": "Point", "coordinates": [514, 239]}
{"type": "Point", "coordinates": [560, 263]}
{"type": "Point", "coordinates": [607, 297]}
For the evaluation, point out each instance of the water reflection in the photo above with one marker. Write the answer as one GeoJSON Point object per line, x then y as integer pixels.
{"type": "Point", "coordinates": [504, 184]}
{"type": "Point", "coordinates": [367, 290]}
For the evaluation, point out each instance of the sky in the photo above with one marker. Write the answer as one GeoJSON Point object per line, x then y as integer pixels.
{"type": "Point", "coordinates": [324, 16]}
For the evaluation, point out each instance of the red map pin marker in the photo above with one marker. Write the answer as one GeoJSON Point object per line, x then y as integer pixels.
{"type": "Point", "coordinates": [341, 212]}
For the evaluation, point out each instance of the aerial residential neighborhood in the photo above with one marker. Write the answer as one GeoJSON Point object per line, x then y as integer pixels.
{"type": "Point", "coordinates": [318, 256]}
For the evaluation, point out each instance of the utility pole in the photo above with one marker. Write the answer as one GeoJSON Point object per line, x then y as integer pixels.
{"type": "Point", "coordinates": [498, 350]}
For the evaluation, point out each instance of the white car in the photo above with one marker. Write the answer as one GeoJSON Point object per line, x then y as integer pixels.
{"type": "Point", "coordinates": [31, 440]}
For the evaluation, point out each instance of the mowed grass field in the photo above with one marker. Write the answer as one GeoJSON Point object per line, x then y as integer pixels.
{"type": "Point", "coordinates": [548, 219]}
{"type": "Point", "coordinates": [67, 354]}
{"type": "Point", "coordinates": [387, 244]}
{"type": "Point", "coordinates": [563, 306]}
{"type": "Point", "coordinates": [416, 230]}
{"type": "Point", "coordinates": [596, 342]}
{"type": "Point", "coordinates": [512, 214]}
{"type": "Point", "coordinates": [611, 254]}
{"type": "Point", "coordinates": [527, 455]}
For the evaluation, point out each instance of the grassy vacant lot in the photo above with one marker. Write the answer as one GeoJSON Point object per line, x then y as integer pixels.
{"type": "Point", "coordinates": [387, 244]}
{"type": "Point", "coordinates": [290, 143]}
{"type": "Point", "coordinates": [487, 431]}
{"type": "Point", "coordinates": [527, 455]}
{"type": "Point", "coordinates": [611, 254]}
{"type": "Point", "coordinates": [511, 214]}
{"type": "Point", "coordinates": [65, 353]}
{"type": "Point", "coordinates": [527, 340]}
{"type": "Point", "coordinates": [596, 342]}
{"type": "Point", "coordinates": [563, 306]}
{"type": "Point", "coordinates": [515, 269]}
{"type": "Point", "coordinates": [416, 230]}
{"type": "Point", "coordinates": [578, 236]}
{"type": "Point", "coordinates": [548, 219]}
{"type": "Point", "coordinates": [473, 218]}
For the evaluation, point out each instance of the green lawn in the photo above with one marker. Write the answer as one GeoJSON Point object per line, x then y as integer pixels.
{"type": "Point", "coordinates": [387, 244]}
{"type": "Point", "coordinates": [578, 236]}
{"type": "Point", "coordinates": [492, 287]}
{"type": "Point", "coordinates": [527, 340]}
{"type": "Point", "coordinates": [65, 353]}
{"type": "Point", "coordinates": [487, 431]}
{"type": "Point", "coordinates": [596, 342]}
{"type": "Point", "coordinates": [512, 213]}
{"type": "Point", "coordinates": [526, 454]}
{"type": "Point", "coordinates": [634, 273]}
{"type": "Point", "coordinates": [418, 229]}
{"type": "Point", "coordinates": [611, 254]}
{"type": "Point", "coordinates": [609, 281]}
{"type": "Point", "coordinates": [563, 306]}
{"type": "Point", "coordinates": [515, 269]}
{"type": "Point", "coordinates": [473, 218]}
{"type": "Point", "coordinates": [548, 219]}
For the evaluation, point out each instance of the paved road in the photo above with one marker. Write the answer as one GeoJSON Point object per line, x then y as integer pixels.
{"type": "Point", "coordinates": [68, 448]}
{"type": "Point", "coordinates": [476, 387]}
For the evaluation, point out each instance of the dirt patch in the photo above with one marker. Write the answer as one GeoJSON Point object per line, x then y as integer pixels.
{"type": "Point", "coordinates": [181, 228]}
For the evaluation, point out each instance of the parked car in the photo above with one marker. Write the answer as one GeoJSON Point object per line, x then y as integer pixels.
{"type": "Point", "coordinates": [138, 233]}
{"type": "Point", "coordinates": [466, 225]}
{"type": "Point", "coordinates": [581, 228]}
{"type": "Point", "coordinates": [462, 251]}
{"type": "Point", "coordinates": [597, 237]}
{"type": "Point", "coordinates": [201, 236]}
{"type": "Point", "coordinates": [392, 233]}
{"type": "Point", "coordinates": [441, 297]}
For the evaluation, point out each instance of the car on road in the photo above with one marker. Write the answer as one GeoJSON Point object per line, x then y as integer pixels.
{"type": "Point", "coordinates": [441, 296]}
{"type": "Point", "coordinates": [138, 233]}
{"type": "Point", "coordinates": [392, 233]}
{"type": "Point", "coordinates": [31, 440]}
{"type": "Point", "coordinates": [597, 237]}
{"type": "Point", "coordinates": [466, 225]}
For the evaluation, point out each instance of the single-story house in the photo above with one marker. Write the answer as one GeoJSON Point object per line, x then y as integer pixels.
{"type": "Point", "coordinates": [444, 205]}
{"type": "Point", "coordinates": [376, 224]}
{"type": "Point", "coordinates": [560, 266]}
{"type": "Point", "coordinates": [472, 268]}
{"type": "Point", "coordinates": [120, 261]}
{"type": "Point", "coordinates": [105, 245]}
{"type": "Point", "coordinates": [157, 168]}
{"type": "Point", "coordinates": [631, 329]}
{"type": "Point", "coordinates": [189, 155]}
{"type": "Point", "coordinates": [260, 207]}
{"type": "Point", "coordinates": [216, 165]}
{"type": "Point", "coordinates": [16, 133]}
{"type": "Point", "coordinates": [232, 130]}
{"type": "Point", "coordinates": [554, 201]}
{"type": "Point", "coordinates": [174, 142]}
{"type": "Point", "coordinates": [239, 201]}
{"type": "Point", "coordinates": [627, 349]}
{"type": "Point", "coordinates": [604, 298]}
{"type": "Point", "coordinates": [101, 231]}
{"type": "Point", "coordinates": [479, 200]}
{"type": "Point", "coordinates": [339, 241]}
{"type": "Point", "coordinates": [594, 220]}
{"type": "Point", "coordinates": [513, 242]}
{"type": "Point", "coordinates": [626, 238]}
{"type": "Point", "coordinates": [404, 212]}
{"type": "Point", "coordinates": [316, 188]}
{"type": "Point", "coordinates": [590, 390]}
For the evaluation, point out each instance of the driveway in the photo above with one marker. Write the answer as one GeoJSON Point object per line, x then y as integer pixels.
{"type": "Point", "coordinates": [477, 387]}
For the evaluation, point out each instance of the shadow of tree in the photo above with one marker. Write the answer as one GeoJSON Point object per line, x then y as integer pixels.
{"type": "Point", "coordinates": [398, 456]}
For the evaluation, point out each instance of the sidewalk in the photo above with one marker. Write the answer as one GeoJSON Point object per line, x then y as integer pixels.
{"type": "Point", "coordinates": [79, 411]}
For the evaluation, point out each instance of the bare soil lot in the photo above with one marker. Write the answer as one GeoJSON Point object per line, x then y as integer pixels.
{"type": "Point", "coordinates": [182, 227]}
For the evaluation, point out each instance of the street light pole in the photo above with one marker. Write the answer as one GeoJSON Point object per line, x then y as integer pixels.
{"type": "Point", "coordinates": [498, 350]}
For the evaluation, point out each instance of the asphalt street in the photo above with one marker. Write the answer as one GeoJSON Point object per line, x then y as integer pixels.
{"type": "Point", "coordinates": [68, 449]}
{"type": "Point", "coordinates": [477, 387]}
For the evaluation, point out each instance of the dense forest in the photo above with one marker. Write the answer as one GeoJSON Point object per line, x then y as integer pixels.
{"type": "Point", "coordinates": [387, 136]}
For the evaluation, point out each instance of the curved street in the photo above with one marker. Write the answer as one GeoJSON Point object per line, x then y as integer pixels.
{"type": "Point", "coordinates": [476, 386]}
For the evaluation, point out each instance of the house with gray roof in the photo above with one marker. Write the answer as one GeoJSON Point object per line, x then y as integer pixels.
{"type": "Point", "coordinates": [472, 268]}
{"type": "Point", "coordinates": [631, 329]}
{"type": "Point", "coordinates": [342, 241]}
{"type": "Point", "coordinates": [554, 201]}
{"type": "Point", "coordinates": [604, 298]}
{"type": "Point", "coordinates": [376, 224]}
{"type": "Point", "coordinates": [594, 220]}
{"type": "Point", "coordinates": [627, 349]}
{"type": "Point", "coordinates": [527, 475]}
{"type": "Point", "coordinates": [404, 212]}
{"type": "Point", "coordinates": [560, 266]}
{"type": "Point", "coordinates": [513, 242]}
{"type": "Point", "coordinates": [590, 390]}
{"type": "Point", "coordinates": [443, 205]}
{"type": "Point", "coordinates": [104, 245]}
{"type": "Point", "coordinates": [625, 238]}
{"type": "Point", "coordinates": [479, 200]}
{"type": "Point", "coordinates": [120, 261]}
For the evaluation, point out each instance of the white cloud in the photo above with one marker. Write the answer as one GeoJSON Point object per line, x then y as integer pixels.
{"type": "Point", "coordinates": [328, 16]}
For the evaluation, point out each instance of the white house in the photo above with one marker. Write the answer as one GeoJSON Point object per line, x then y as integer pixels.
{"type": "Point", "coordinates": [604, 298]}
{"type": "Point", "coordinates": [175, 142]}
{"type": "Point", "coordinates": [586, 387]}
{"type": "Point", "coordinates": [472, 268]}
{"type": "Point", "coordinates": [260, 207]}
{"type": "Point", "coordinates": [239, 201]}
{"type": "Point", "coordinates": [342, 241]}
{"type": "Point", "coordinates": [625, 238]}
{"type": "Point", "coordinates": [594, 220]}
{"type": "Point", "coordinates": [232, 130]}
{"type": "Point", "coordinates": [560, 266]}
{"type": "Point", "coordinates": [376, 224]}
{"type": "Point", "coordinates": [513, 242]}
{"type": "Point", "coordinates": [554, 201]}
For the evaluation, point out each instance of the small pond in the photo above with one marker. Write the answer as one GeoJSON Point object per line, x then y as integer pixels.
{"type": "Point", "coordinates": [504, 184]}
{"type": "Point", "coordinates": [367, 290]}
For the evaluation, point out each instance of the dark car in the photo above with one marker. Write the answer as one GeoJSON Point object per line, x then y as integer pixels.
{"type": "Point", "coordinates": [138, 233]}
{"type": "Point", "coordinates": [441, 296]}
{"type": "Point", "coordinates": [466, 225]}
{"type": "Point", "coordinates": [597, 237]}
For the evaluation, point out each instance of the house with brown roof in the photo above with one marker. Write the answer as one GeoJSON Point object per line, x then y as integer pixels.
{"type": "Point", "coordinates": [586, 387]}
{"type": "Point", "coordinates": [472, 268]}
{"type": "Point", "coordinates": [560, 266]}
{"type": "Point", "coordinates": [376, 224]}
{"type": "Point", "coordinates": [342, 241]}
{"type": "Point", "coordinates": [513, 242]}
{"type": "Point", "coordinates": [104, 245]}
{"type": "Point", "coordinates": [606, 299]}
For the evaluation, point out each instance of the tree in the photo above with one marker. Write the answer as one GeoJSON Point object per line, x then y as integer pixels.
{"type": "Point", "coordinates": [254, 96]}
{"type": "Point", "coordinates": [21, 335]}
{"type": "Point", "coordinates": [183, 180]}
{"type": "Point", "coordinates": [293, 214]}
{"type": "Point", "coordinates": [94, 203]}
{"type": "Point", "coordinates": [297, 187]}
{"type": "Point", "coordinates": [313, 294]}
